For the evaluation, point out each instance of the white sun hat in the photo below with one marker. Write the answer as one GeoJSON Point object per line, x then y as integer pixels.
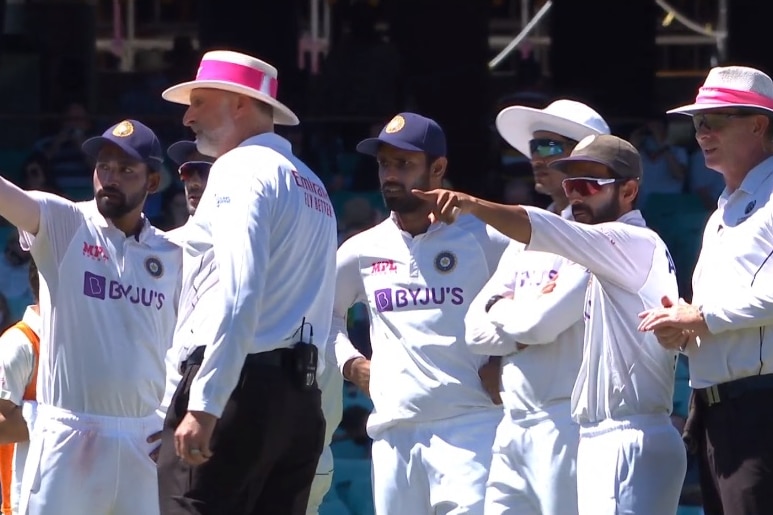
{"type": "Point", "coordinates": [238, 73]}
{"type": "Point", "coordinates": [569, 118]}
{"type": "Point", "coordinates": [732, 86]}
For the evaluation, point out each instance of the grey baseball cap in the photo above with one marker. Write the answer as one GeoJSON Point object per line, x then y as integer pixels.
{"type": "Point", "coordinates": [615, 153]}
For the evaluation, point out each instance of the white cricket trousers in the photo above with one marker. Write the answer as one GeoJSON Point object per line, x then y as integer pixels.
{"type": "Point", "coordinates": [82, 464]}
{"type": "Point", "coordinates": [434, 468]}
{"type": "Point", "coordinates": [533, 468]}
{"type": "Point", "coordinates": [634, 466]}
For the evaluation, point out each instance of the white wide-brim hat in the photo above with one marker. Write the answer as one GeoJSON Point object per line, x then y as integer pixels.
{"type": "Point", "coordinates": [569, 118]}
{"type": "Point", "coordinates": [732, 86]}
{"type": "Point", "coordinates": [237, 73]}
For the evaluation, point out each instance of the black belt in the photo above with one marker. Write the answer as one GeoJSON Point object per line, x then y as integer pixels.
{"type": "Point", "coordinates": [273, 358]}
{"type": "Point", "coordinates": [734, 389]}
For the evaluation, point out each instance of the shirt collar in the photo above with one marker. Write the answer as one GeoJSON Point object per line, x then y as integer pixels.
{"type": "Point", "coordinates": [756, 176]}
{"type": "Point", "coordinates": [633, 217]}
{"type": "Point", "coordinates": [96, 217]}
{"type": "Point", "coordinates": [269, 139]}
{"type": "Point", "coordinates": [32, 320]}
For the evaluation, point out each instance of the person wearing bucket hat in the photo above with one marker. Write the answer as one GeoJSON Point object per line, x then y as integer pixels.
{"type": "Point", "coordinates": [624, 391]}
{"type": "Point", "coordinates": [433, 422]}
{"type": "Point", "coordinates": [546, 135]}
{"type": "Point", "coordinates": [105, 267]}
{"type": "Point", "coordinates": [727, 329]}
{"type": "Point", "coordinates": [266, 223]}
{"type": "Point", "coordinates": [537, 385]}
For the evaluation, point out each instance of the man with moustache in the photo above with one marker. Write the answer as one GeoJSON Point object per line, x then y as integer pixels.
{"type": "Point", "coordinates": [108, 304]}
{"type": "Point", "coordinates": [245, 428]}
{"type": "Point", "coordinates": [538, 335]}
{"type": "Point", "coordinates": [433, 422]}
{"type": "Point", "coordinates": [630, 458]}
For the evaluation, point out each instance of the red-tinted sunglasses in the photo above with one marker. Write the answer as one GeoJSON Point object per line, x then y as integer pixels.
{"type": "Point", "coordinates": [587, 186]}
{"type": "Point", "coordinates": [191, 168]}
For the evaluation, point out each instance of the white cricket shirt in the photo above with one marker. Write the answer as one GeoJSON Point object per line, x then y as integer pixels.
{"type": "Point", "coordinates": [417, 289]}
{"type": "Point", "coordinates": [733, 281]}
{"type": "Point", "coordinates": [624, 372]}
{"type": "Point", "coordinates": [551, 324]}
{"type": "Point", "coordinates": [108, 304]}
{"type": "Point", "coordinates": [17, 364]}
{"type": "Point", "coordinates": [266, 224]}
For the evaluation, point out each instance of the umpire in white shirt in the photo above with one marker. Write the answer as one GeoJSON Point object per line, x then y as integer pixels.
{"type": "Point", "coordinates": [727, 331]}
{"type": "Point", "coordinates": [245, 427]}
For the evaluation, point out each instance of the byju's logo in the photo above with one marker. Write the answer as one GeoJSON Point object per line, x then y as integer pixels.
{"type": "Point", "coordinates": [94, 286]}
{"type": "Point", "coordinates": [389, 299]}
{"type": "Point", "coordinates": [98, 287]}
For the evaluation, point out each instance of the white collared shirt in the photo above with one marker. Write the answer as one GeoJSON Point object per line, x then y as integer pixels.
{"type": "Point", "coordinates": [17, 364]}
{"type": "Point", "coordinates": [108, 305]}
{"type": "Point", "coordinates": [733, 281]}
{"type": "Point", "coordinates": [266, 225]}
{"type": "Point", "coordinates": [624, 372]}
{"type": "Point", "coordinates": [417, 289]}
{"type": "Point", "coordinates": [550, 324]}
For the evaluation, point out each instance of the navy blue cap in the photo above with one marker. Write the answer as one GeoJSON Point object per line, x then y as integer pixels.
{"type": "Point", "coordinates": [131, 136]}
{"type": "Point", "coordinates": [408, 131]}
{"type": "Point", "coordinates": [184, 151]}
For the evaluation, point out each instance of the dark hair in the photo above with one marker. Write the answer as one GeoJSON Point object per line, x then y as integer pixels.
{"type": "Point", "coordinates": [34, 280]}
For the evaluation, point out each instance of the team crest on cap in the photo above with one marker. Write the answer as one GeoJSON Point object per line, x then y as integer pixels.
{"type": "Point", "coordinates": [445, 261]}
{"type": "Point", "coordinates": [750, 207]}
{"type": "Point", "coordinates": [123, 129]}
{"type": "Point", "coordinates": [154, 267]}
{"type": "Point", "coordinates": [587, 140]}
{"type": "Point", "coordinates": [395, 125]}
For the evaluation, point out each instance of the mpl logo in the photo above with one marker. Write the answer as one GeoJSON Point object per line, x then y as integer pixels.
{"type": "Point", "coordinates": [389, 299]}
{"type": "Point", "coordinates": [98, 287]}
{"type": "Point", "coordinates": [95, 252]}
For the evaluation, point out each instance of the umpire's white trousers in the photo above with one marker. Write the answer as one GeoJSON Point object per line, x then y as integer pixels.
{"type": "Point", "coordinates": [634, 466]}
{"type": "Point", "coordinates": [533, 469]}
{"type": "Point", "coordinates": [90, 465]}
{"type": "Point", "coordinates": [323, 480]}
{"type": "Point", "coordinates": [434, 468]}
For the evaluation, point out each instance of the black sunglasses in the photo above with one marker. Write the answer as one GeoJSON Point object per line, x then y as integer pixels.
{"type": "Point", "coordinates": [191, 168]}
{"type": "Point", "coordinates": [715, 121]}
{"type": "Point", "coordinates": [545, 147]}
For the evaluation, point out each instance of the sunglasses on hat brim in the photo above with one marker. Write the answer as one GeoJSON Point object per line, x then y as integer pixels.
{"type": "Point", "coordinates": [588, 186]}
{"type": "Point", "coordinates": [191, 168]}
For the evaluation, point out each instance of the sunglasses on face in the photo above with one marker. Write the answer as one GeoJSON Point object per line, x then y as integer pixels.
{"type": "Point", "coordinates": [586, 186]}
{"type": "Point", "coordinates": [714, 121]}
{"type": "Point", "coordinates": [191, 168]}
{"type": "Point", "coordinates": [544, 147]}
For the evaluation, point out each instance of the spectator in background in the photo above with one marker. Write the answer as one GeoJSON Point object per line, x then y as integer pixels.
{"type": "Point", "coordinates": [36, 174]}
{"type": "Point", "coordinates": [14, 270]}
{"type": "Point", "coordinates": [63, 149]}
{"type": "Point", "coordinates": [665, 165]}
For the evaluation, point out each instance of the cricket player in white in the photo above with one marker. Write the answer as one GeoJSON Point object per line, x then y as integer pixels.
{"type": "Point", "coordinates": [433, 423]}
{"type": "Point", "coordinates": [108, 303]}
{"type": "Point", "coordinates": [540, 336]}
{"type": "Point", "coordinates": [630, 458]}
{"type": "Point", "coordinates": [535, 452]}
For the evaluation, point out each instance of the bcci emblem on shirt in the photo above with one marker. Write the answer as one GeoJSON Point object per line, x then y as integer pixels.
{"type": "Point", "coordinates": [154, 267]}
{"type": "Point", "coordinates": [445, 262]}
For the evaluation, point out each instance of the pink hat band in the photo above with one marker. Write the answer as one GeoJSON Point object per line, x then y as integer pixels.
{"type": "Point", "coordinates": [732, 97]}
{"type": "Point", "coordinates": [238, 74]}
